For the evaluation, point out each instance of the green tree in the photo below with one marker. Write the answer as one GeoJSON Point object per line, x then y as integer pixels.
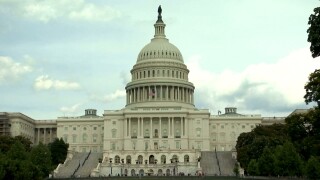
{"type": "Point", "coordinates": [314, 32]}
{"type": "Point", "coordinates": [59, 150]}
{"type": "Point", "coordinates": [236, 169]}
{"type": "Point", "coordinates": [266, 163]}
{"type": "Point", "coordinates": [41, 157]}
{"type": "Point", "coordinates": [288, 161]}
{"type": "Point", "coordinates": [253, 168]}
{"type": "Point", "coordinates": [313, 88]}
{"type": "Point", "coordinates": [313, 168]}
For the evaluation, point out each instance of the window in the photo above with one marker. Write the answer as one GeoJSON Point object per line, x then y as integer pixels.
{"type": "Point", "coordinates": [222, 126]}
{"type": "Point", "coordinates": [243, 126]}
{"type": "Point", "coordinates": [114, 133]}
{"type": "Point", "coordinates": [94, 138]}
{"type": "Point", "coordinates": [198, 132]}
{"type": "Point", "coordinates": [84, 128]}
{"type": "Point", "coordinates": [66, 128]}
{"type": "Point", "coordinates": [117, 159]}
{"type": "Point", "coordinates": [186, 158]}
{"type": "Point", "coordinates": [114, 122]}
{"type": "Point", "coordinates": [84, 138]}
{"type": "Point", "coordinates": [65, 138]}
{"type": "Point", "coordinates": [113, 146]}
{"type": "Point", "coordinates": [74, 138]}
{"type": "Point", "coordinates": [198, 121]}
{"type": "Point", "coordinates": [146, 145]}
{"type": "Point", "coordinates": [74, 128]}
{"type": "Point", "coordinates": [95, 128]}
{"type": "Point", "coordinates": [163, 159]}
{"type": "Point", "coordinates": [178, 145]}
{"type": "Point", "coordinates": [146, 135]}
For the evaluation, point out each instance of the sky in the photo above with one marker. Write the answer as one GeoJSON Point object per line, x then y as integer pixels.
{"type": "Point", "coordinates": [60, 57]}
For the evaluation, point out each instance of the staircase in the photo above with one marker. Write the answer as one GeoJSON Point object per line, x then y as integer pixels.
{"type": "Point", "coordinates": [209, 163]}
{"type": "Point", "coordinates": [226, 162]}
{"type": "Point", "coordinates": [91, 162]}
{"type": "Point", "coordinates": [70, 167]}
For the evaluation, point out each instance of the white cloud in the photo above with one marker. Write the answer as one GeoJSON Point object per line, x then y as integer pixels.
{"type": "Point", "coordinates": [71, 109]}
{"type": "Point", "coordinates": [12, 70]}
{"type": "Point", "coordinates": [44, 82]}
{"type": "Point", "coordinates": [276, 87]}
{"type": "Point", "coordinates": [48, 10]}
{"type": "Point", "coordinates": [115, 95]}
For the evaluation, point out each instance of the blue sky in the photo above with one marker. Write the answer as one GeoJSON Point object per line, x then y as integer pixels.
{"type": "Point", "coordinates": [60, 57]}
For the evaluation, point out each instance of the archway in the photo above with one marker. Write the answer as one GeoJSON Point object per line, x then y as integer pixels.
{"type": "Point", "coordinates": [140, 159]}
{"type": "Point", "coordinates": [151, 159]}
{"type": "Point", "coordinates": [160, 172]}
{"type": "Point", "coordinates": [128, 159]}
{"type": "Point", "coordinates": [168, 172]}
{"type": "Point", "coordinates": [126, 172]}
{"type": "Point", "coordinates": [141, 172]}
{"type": "Point", "coordinates": [133, 172]}
{"type": "Point", "coordinates": [163, 159]}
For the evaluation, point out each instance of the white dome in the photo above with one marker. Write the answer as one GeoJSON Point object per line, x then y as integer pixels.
{"type": "Point", "coordinates": [159, 48]}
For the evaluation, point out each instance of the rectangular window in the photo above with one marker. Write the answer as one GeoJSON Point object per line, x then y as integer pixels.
{"type": "Point", "coordinates": [74, 128]}
{"type": "Point", "coordinates": [178, 145]}
{"type": "Point", "coordinates": [113, 146]}
{"type": "Point", "coordinates": [66, 128]}
{"type": "Point", "coordinates": [95, 128]}
{"type": "Point", "coordinates": [74, 138]}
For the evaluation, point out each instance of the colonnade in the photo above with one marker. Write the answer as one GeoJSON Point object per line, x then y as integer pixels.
{"type": "Point", "coordinates": [160, 93]}
{"type": "Point", "coordinates": [46, 131]}
{"type": "Point", "coordinates": [155, 127]}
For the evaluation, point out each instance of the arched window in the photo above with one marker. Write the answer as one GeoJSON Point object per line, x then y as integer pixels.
{"type": "Point", "coordinates": [151, 159]}
{"type": "Point", "coordinates": [163, 159]}
{"type": "Point", "coordinates": [186, 158]}
{"type": "Point", "coordinates": [174, 159]}
{"type": "Point", "coordinates": [117, 159]}
{"type": "Point", "coordinates": [128, 159]}
{"type": "Point", "coordinates": [140, 159]}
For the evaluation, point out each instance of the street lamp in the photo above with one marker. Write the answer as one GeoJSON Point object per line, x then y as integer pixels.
{"type": "Point", "coordinates": [111, 165]}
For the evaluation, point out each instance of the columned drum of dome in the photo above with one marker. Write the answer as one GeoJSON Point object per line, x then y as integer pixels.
{"type": "Point", "coordinates": [160, 77]}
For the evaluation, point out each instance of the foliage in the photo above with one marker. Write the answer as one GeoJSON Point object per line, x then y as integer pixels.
{"type": "Point", "coordinates": [314, 32]}
{"type": "Point", "coordinates": [287, 160]}
{"type": "Point", "coordinates": [313, 168]}
{"type": "Point", "coordinates": [252, 144]}
{"type": "Point", "coordinates": [236, 169]}
{"type": "Point", "coordinates": [266, 163]}
{"type": "Point", "coordinates": [253, 168]}
{"type": "Point", "coordinates": [41, 157]}
{"type": "Point", "coordinates": [313, 88]}
{"type": "Point", "coordinates": [18, 160]}
{"type": "Point", "coordinates": [59, 150]}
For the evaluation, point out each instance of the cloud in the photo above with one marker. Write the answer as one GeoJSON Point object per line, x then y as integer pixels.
{"type": "Point", "coordinates": [12, 70]}
{"type": "Point", "coordinates": [115, 95]}
{"type": "Point", "coordinates": [48, 10]}
{"type": "Point", "coordinates": [44, 82]}
{"type": "Point", "coordinates": [125, 77]}
{"type": "Point", "coordinates": [72, 109]}
{"type": "Point", "coordinates": [267, 88]}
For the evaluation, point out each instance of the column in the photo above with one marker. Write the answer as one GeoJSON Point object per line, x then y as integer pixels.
{"type": "Point", "coordinates": [142, 129]}
{"type": "Point", "coordinates": [160, 130]}
{"type": "Point", "coordinates": [38, 135]}
{"type": "Point", "coordinates": [138, 127]}
{"type": "Point", "coordinates": [50, 134]}
{"type": "Point", "coordinates": [181, 126]}
{"type": "Point", "coordinates": [149, 98]}
{"type": "Point", "coordinates": [167, 93]}
{"type": "Point", "coordinates": [130, 127]}
{"type": "Point", "coordinates": [172, 127]}
{"type": "Point", "coordinates": [151, 130]}
{"type": "Point", "coordinates": [161, 94]}
{"type": "Point", "coordinates": [44, 135]}
{"type": "Point", "coordinates": [138, 92]}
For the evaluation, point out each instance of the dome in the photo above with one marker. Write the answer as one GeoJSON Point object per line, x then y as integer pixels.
{"type": "Point", "coordinates": [160, 48]}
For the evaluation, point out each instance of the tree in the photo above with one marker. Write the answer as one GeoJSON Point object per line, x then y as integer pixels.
{"type": "Point", "coordinates": [59, 150]}
{"type": "Point", "coordinates": [314, 32]}
{"type": "Point", "coordinates": [41, 157]}
{"type": "Point", "coordinates": [253, 168]}
{"type": "Point", "coordinates": [288, 161]}
{"type": "Point", "coordinates": [266, 163]}
{"type": "Point", "coordinates": [236, 169]}
{"type": "Point", "coordinates": [313, 168]}
{"type": "Point", "coordinates": [313, 88]}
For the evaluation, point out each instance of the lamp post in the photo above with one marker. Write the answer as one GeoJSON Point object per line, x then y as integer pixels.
{"type": "Point", "coordinates": [111, 166]}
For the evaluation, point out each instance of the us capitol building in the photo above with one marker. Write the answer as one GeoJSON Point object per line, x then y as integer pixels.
{"type": "Point", "coordinates": [158, 132]}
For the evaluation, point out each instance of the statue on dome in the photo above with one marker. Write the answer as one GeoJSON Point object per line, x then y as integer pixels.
{"type": "Point", "coordinates": [159, 10]}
